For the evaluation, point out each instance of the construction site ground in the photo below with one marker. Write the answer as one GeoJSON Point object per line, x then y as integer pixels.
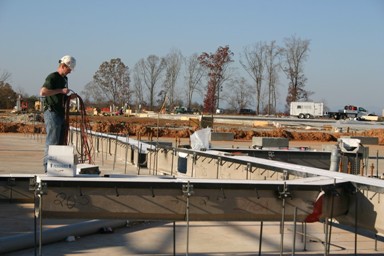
{"type": "Point", "coordinates": [153, 127]}
{"type": "Point", "coordinates": [21, 151]}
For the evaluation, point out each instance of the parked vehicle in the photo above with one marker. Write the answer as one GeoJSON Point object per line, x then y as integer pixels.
{"type": "Point", "coordinates": [247, 111]}
{"type": "Point", "coordinates": [180, 110]}
{"type": "Point", "coordinates": [349, 111]}
{"type": "Point", "coordinates": [306, 109]}
{"type": "Point", "coordinates": [219, 111]}
{"type": "Point", "coordinates": [184, 110]}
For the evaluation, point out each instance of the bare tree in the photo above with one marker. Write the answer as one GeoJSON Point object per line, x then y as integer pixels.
{"type": "Point", "coordinates": [173, 66]}
{"type": "Point", "coordinates": [272, 65]}
{"type": "Point", "coordinates": [254, 64]}
{"type": "Point", "coordinates": [94, 93]}
{"type": "Point", "coordinates": [112, 80]}
{"type": "Point", "coordinates": [5, 75]}
{"type": "Point", "coordinates": [150, 71]}
{"type": "Point", "coordinates": [193, 78]}
{"type": "Point", "coordinates": [295, 54]}
{"type": "Point", "coordinates": [138, 89]}
{"type": "Point", "coordinates": [217, 64]}
{"type": "Point", "coordinates": [240, 95]}
{"type": "Point", "coordinates": [8, 96]}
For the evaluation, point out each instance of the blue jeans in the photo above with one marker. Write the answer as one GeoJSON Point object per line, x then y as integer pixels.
{"type": "Point", "coordinates": [54, 126]}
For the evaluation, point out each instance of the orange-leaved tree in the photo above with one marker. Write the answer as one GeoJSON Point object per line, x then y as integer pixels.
{"type": "Point", "coordinates": [216, 63]}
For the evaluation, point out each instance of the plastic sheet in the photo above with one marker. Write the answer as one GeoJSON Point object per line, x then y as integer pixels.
{"type": "Point", "coordinates": [200, 139]}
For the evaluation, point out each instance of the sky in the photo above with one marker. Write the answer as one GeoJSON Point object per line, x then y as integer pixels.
{"type": "Point", "coordinates": [345, 64]}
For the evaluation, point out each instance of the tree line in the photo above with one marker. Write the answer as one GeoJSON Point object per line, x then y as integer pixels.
{"type": "Point", "coordinates": [159, 83]}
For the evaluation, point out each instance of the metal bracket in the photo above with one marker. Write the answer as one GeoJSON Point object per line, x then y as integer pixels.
{"type": "Point", "coordinates": [257, 193]}
{"type": "Point", "coordinates": [249, 167]}
{"type": "Point", "coordinates": [42, 188]}
{"type": "Point", "coordinates": [222, 162]}
{"type": "Point", "coordinates": [39, 188]}
{"type": "Point", "coordinates": [32, 184]}
{"type": "Point", "coordinates": [188, 189]}
{"type": "Point", "coordinates": [284, 194]}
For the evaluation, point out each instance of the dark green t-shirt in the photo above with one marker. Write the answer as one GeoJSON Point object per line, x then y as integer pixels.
{"type": "Point", "coordinates": [55, 102]}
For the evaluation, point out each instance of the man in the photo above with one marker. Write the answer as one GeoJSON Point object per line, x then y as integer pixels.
{"type": "Point", "coordinates": [55, 90]}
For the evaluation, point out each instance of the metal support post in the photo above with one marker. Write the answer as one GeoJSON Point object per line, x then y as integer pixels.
{"type": "Point", "coordinates": [194, 159]}
{"type": "Point", "coordinates": [334, 193]}
{"type": "Point", "coordinates": [40, 190]}
{"type": "Point", "coordinates": [294, 232]}
{"type": "Point", "coordinates": [261, 236]}
{"type": "Point", "coordinates": [156, 156]}
{"type": "Point", "coordinates": [97, 142]}
{"type": "Point", "coordinates": [40, 226]}
{"type": "Point", "coordinates": [188, 192]}
{"type": "Point", "coordinates": [174, 238]}
{"type": "Point", "coordinates": [249, 168]}
{"type": "Point", "coordinates": [126, 154]}
{"type": "Point", "coordinates": [102, 152]}
{"type": "Point", "coordinates": [32, 186]}
{"type": "Point", "coordinates": [305, 236]}
{"type": "Point", "coordinates": [149, 166]}
{"type": "Point", "coordinates": [356, 209]}
{"type": "Point", "coordinates": [218, 162]}
{"type": "Point", "coordinates": [377, 164]}
{"type": "Point", "coordinates": [326, 236]}
{"type": "Point", "coordinates": [283, 195]}
{"type": "Point", "coordinates": [77, 141]}
{"type": "Point", "coordinates": [114, 157]}
{"type": "Point", "coordinates": [138, 158]}
{"type": "Point", "coordinates": [172, 160]}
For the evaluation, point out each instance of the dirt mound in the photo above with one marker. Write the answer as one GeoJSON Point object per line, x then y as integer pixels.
{"type": "Point", "coordinates": [152, 127]}
{"type": "Point", "coordinates": [379, 133]}
{"type": "Point", "coordinates": [282, 133]}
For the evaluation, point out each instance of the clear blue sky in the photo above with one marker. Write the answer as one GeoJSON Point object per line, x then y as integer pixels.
{"type": "Point", "coordinates": [345, 64]}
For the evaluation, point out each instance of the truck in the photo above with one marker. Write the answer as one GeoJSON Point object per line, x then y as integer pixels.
{"type": "Point", "coordinates": [306, 110]}
{"type": "Point", "coordinates": [348, 112]}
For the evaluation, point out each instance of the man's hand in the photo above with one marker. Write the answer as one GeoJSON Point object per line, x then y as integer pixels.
{"type": "Point", "coordinates": [66, 91]}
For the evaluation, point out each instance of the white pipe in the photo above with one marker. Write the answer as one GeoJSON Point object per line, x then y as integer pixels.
{"type": "Point", "coordinates": [335, 159]}
{"type": "Point", "coordinates": [25, 241]}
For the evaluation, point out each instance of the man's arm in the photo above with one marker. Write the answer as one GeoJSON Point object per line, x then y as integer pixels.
{"type": "Point", "coordinates": [48, 92]}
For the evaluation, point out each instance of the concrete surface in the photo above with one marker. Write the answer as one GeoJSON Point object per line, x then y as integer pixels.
{"type": "Point", "coordinates": [23, 154]}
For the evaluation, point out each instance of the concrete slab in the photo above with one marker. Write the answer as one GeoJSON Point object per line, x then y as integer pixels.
{"type": "Point", "coordinates": [23, 154]}
{"type": "Point", "coordinates": [210, 238]}
{"type": "Point", "coordinates": [222, 136]}
{"type": "Point", "coordinates": [270, 142]}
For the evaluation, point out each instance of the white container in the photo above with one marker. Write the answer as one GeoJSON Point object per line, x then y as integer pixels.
{"type": "Point", "coordinates": [61, 161]}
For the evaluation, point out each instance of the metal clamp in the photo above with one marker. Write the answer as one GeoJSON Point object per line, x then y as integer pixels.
{"type": "Point", "coordinates": [39, 188]}
{"type": "Point", "coordinates": [187, 189]}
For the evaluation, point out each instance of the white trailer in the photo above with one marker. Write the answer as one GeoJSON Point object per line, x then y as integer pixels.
{"type": "Point", "coordinates": [307, 109]}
